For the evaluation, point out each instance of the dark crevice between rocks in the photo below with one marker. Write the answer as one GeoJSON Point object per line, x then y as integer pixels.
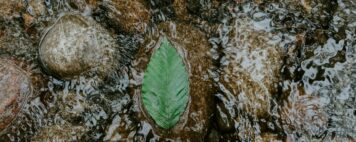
{"type": "Point", "coordinates": [128, 49]}
{"type": "Point", "coordinates": [101, 16]}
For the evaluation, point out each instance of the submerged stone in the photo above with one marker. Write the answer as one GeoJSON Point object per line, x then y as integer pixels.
{"type": "Point", "coordinates": [75, 45]}
{"type": "Point", "coordinates": [304, 114]}
{"type": "Point", "coordinates": [251, 70]}
{"type": "Point", "coordinates": [249, 75]}
{"type": "Point", "coordinates": [15, 88]}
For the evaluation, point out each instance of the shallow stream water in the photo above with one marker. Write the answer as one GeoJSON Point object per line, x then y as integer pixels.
{"type": "Point", "coordinates": [261, 70]}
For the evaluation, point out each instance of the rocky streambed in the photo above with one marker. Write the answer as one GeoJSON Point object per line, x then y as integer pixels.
{"type": "Point", "coordinates": [261, 70]}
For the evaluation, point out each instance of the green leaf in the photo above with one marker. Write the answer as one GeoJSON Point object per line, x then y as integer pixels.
{"type": "Point", "coordinates": [165, 88]}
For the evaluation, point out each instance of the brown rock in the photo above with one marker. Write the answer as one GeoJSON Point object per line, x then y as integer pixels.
{"type": "Point", "coordinates": [250, 72]}
{"type": "Point", "coordinates": [10, 8]}
{"type": "Point", "coordinates": [75, 45]}
{"type": "Point", "coordinates": [304, 114]}
{"type": "Point", "coordinates": [131, 16]}
{"type": "Point", "coordinates": [194, 48]}
{"type": "Point", "coordinates": [15, 88]}
{"type": "Point", "coordinates": [181, 10]}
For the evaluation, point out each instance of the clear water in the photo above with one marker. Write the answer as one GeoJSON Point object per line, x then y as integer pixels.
{"type": "Point", "coordinates": [282, 71]}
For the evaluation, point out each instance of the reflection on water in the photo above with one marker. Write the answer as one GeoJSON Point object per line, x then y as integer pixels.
{"type": "Point", "coordinates": [260, 71]}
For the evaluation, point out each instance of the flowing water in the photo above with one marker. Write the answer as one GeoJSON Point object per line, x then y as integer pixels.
{"type": "Point", "coordinates": [261, 70]}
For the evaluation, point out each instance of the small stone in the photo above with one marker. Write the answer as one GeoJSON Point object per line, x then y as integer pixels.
{"type": "Point", "coordinates": [15, 87]}
{"type": "Point", "coordinates": [75, 45]}
{"type": "Point", "coordinates": [65, 132]}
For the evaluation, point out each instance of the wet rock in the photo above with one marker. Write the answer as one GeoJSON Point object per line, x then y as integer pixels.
{"type": "Point", "coordinates": [14, 41]}
{"type": "Point", "coordinates": [304, 114]}
{"type": "Point", "coordinates": [130, 16]}
{"type": "Point", "coordinates": [15, 88]}
{"type": "Point", "coordinates": [75, 45]}
{"type": "Point", "coordinates": [194, 48]}
{"type": "Point", "coordinates": [10, 8]}
{"type": "Point", "coordinates": [325, 92]}
{"type": "Point", "coordinates": [249, 61]}
{"type": "Point", "coordinates": [65, 132]}
{"type": "Point", "coordinates": [251, 70]}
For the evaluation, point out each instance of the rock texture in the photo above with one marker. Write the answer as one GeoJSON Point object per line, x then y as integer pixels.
{"type": "Point", "coordinates": [15, 88]}
{"type": "Point", "coordinates": [10, 8]}
{"type": "Point", "coordinates": [249, 76]}
{"type": "Point", "coordinates": [305, 114]}
{"type": "Point", "coordinates": [71, 107]}
{"type": "Point", "coordinates": [65, 132]}
{"type": "Point", "coordinates": [75, 45]}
